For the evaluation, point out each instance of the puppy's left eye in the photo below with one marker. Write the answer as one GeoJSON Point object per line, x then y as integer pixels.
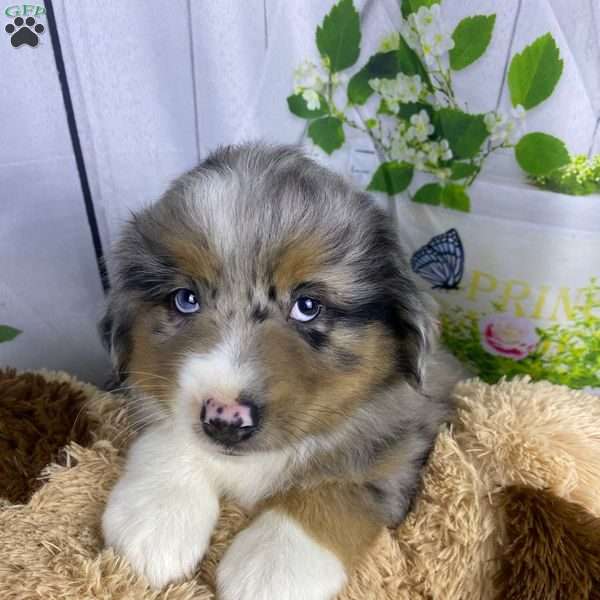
{"type": "Point", "coordinates": [305, 309]}
{"type": "Point", "coordinates": [185, 301]}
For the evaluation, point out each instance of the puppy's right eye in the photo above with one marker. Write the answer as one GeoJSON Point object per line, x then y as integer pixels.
{"type": "Point", "coordinates": [185, 301]}
{"type": "Point", "coordinates": [305, 309]}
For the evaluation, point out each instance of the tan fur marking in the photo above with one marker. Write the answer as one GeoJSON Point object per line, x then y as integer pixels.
{"type": "Point", "coordinates": [154, 362]}
{"type": "Point", "coordinates": [299, 262]}
{"type": "Point", "coordinates": [313, 390]}
{"type": "Point", "coordinates": [194, 259]}
{"type": "Point", "coordinates": [337, 516]}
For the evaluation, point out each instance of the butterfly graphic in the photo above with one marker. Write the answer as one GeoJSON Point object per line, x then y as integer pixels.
{"type": "Point", "coordinates": [441, 260]}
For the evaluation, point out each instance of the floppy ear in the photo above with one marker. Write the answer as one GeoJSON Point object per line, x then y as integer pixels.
{"type": "Point", "coordinates": [412, 309]}
{"type": "Point", "coordinates": [417, 327]}
{"type": "Point", "coordinates": [127, 261]}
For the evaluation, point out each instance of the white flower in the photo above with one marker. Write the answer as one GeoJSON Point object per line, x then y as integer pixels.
{"type": "Point", "coordinates": [510, 133]}
{"type": "Point", "coordinates": [338, 79]}
{"type": "Point", "coordinates": [432, 149]}
{"type": "Point", "coordinates": [390, 42]}
{"type": "Point", "coordinates": [410, 155]}
{"type": "Point", "coordinates": [427, 20]}
{"type": "Point", "coordinates": [410, 35]}
{"type": "Point", "coordinates": [398, 148]}
{"type": "Point", "coordinates": [312, 99]}
{"type": "Point", "coordinates": [428, 55]}
{"type": "Point", "coordinates": [491, 121]}
{"type": "Point", "coordinates": [436, 151]}
{"type": "Point", "coordinates": [400, 90]}
{"type": "Point", "coordinates": [445, 150]}
{"type": "Point", "coordinates": [434, 46]}
{"type": "Point", "coordinates": [505, 129]}
{"type": "Point", "coordinates": [413, 89]}
{"type": "Point", "coordinates": [515, 124]}
{"type": "Point", "coordinates": [432, 38]}
{"type": "Point", "coordinates": [422, 126]}
{"type": "Point", "coordinates": [443, 174]}
{"type": "Point", "coordinates": [441, 43]}
{"type": "Point", "coordinates": [420, 160]}
{"type": "Point", "coordinates": [308, 76]}
{"type": "Point", "coordinates": [518, 113]}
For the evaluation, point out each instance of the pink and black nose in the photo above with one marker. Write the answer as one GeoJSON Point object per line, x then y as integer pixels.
{"type": "Point", "coordinates": [229, 424]}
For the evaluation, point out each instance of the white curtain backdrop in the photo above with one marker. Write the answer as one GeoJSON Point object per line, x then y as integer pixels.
{"type": "Point", "coordinates": [157, 85]}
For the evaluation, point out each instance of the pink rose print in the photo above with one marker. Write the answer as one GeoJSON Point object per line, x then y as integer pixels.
{"type": "Point", "coordinates": [508, 336]}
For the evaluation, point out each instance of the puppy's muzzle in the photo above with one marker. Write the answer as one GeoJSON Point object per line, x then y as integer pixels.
{"type": "Point", "coordinates": [229, 424]}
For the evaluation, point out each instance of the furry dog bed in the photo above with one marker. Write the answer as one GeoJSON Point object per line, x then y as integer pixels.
{"type": "Point", "coordinates": [509, 507]}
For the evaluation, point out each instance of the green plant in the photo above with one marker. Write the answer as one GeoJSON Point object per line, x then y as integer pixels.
{"type": "Point", "coordinates": [578, 178]}
{"type": "Point", "coordinates": [8, 333]}
{"type": "Point", "coordinates": [414, 119]}
{"type": "Point", "coordinates": [568, 353]}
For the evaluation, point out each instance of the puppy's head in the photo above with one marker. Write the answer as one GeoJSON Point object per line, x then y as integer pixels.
{"type": "Point", "coordinates": [260, 301]}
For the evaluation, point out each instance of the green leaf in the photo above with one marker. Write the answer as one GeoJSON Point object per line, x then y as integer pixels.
{"type": "Point", "coordinates": [430, 193]}
{"type": "Point", "coordinates": [297, 105]}
{"type": "Point", "coordinates": [338, 37]}
{"type": "Point", "coordinates": [359, 90]}
{"type": "Point", "coordinates": [8, 333]}
{"type": "Point", "coordinates": [539, 153]}
{"type": "Point", "coordinates": [385, 65]}
{"type": "Point", "coordinates": [471, 38]}
{"type": "Point", "coordinates": [534, 73]}
{"type": "Point", "coordinates": [465, 133]}
{"type": "Point", "coordinates": [455, 196]}
{"type": "Point", "coordinates": [327, 133]}
{"type": "Point", "coordinates": [461, 170]}
{"type": "Point", "coordinates": [412, 6]}
{"type": "Point", "coordinates": [391, 178]}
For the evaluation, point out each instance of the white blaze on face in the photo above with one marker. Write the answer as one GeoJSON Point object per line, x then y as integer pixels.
{"type": "Point", "coordinates": [217, 375]}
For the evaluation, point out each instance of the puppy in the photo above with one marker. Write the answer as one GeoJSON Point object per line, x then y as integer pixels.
{"type": "Point", "coordinates": [278, 354]}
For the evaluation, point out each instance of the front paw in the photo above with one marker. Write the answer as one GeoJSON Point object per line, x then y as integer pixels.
{"type": "Point", "coordinates": [162, 532]}
{"type": "Point", "coordinates": [275, 559]}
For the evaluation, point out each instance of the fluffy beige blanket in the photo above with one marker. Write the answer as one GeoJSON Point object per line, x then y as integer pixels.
{"type": "Point", "coordinates": [509, 507]}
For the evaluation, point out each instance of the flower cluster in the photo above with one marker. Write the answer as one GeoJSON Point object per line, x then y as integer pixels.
{"type": "Point", "coordinates": [583, 169]}
{"type": "Point", "coordinates": [425, 33]}
{"type": "Point", "coordinates": [310, 83]}
{"type": "Point", "coordinates": [579, 177]}
{"type": "Point", "coordinates": [408, 140]}
{"type": "Point", "coordinates": [504, 129]}
{"type": "Point", "coordinates": [401, 90]}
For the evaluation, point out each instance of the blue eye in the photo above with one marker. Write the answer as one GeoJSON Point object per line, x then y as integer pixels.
{"type": "Point", "coordinates": [185, 301]}
{"type": "Point", "coordinates": [305, 309]}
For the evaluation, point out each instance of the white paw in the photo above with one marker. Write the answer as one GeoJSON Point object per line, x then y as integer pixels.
{"type": "Point", "coordinates": [163, 536]}
{"type": "Point", "coordinates": [161, 513]}
{"type": "Point", "coordinates": [274, 559]}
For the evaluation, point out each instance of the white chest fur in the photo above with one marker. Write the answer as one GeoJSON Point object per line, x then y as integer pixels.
{"type": "Point", "coordinates": [246, 479]}
{"type": "Point", "coordinates": [167, 453]}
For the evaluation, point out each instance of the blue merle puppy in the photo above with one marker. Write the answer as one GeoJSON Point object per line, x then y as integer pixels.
{"type": "Point", "coordinates": [280, 355]}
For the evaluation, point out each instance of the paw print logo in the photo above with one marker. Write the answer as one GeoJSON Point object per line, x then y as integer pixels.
{"type": "Point", "coordinates": [24, 32]}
